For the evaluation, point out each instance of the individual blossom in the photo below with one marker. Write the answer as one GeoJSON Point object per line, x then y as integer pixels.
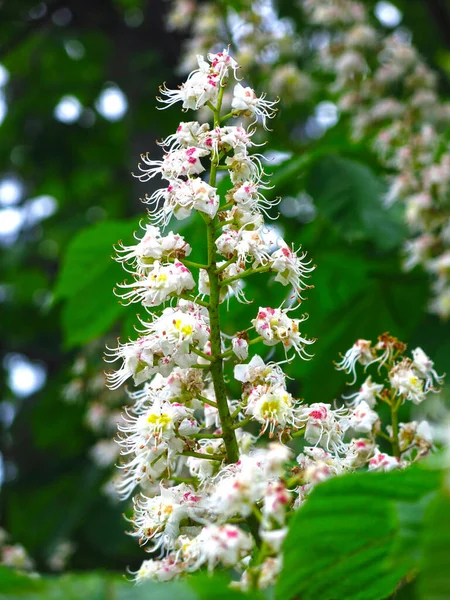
{"type": "Point", "coordinates": [367, 393]}
{"type": "Point", "coordinates": [226, 544]}
{"type": "Point", "coordinates": [359, 451]}
{"type": "Point", "coordinates": [16, 557]}
{"type": "Point", "coordinates": [406, 382]}
{"type": "Point", "coordinates": [158, 519]}
{"type": "Point", "coordinates": [361, 352]}
{"type": "Point", "coordinates": [415, 438]}
{"type": "Point", "coordinates": [159, 570]}
{"type": "Point", "coordinates": [203, 84]}
{"type": "Point", "coordinates": [274, 326]}
{"type": "Point", "coordinates": [273, 407]}
{"type": "Point", "coordinates": [383, 462]}
{"type": "Point", "coordinates": [153, 246]}
{"type": "Point", "coordinates": [362, 418]}
{"type": "Point", "coordinates": [184, 162]}
{"type": "Point", "coordinates": [236, 489]}
{"type": "Point", "coordinates": [424, 367]}
{"type": "Point", "coordinates": [247, 103]}
{"type": "Point", "coordinates": [257, 372]}
{"type": "Point", "coordinates": [325, 426]}
{"type": "Point", "coordinates": [158, 285]}
{"type": "Point", "coordinates": [277, 500]}
{"type": "Point", "coordinates": [240, 347]}
{"type": "Point", "coordinates": [291, 268]}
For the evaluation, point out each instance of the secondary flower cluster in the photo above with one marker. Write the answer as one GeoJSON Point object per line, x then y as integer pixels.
{"type": "Point", "coordinates": [209, 494]}
{"type": "Point", "coordinates": [391, 97]}
{"type": "Point", "coordinates": [253, 27]}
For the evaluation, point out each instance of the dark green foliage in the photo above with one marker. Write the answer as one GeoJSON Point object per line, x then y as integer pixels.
{"type": "Point", "coordinates": [358, 536]}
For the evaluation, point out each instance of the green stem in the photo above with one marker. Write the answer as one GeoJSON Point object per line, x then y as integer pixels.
{"type": "Point", "coordinates": [298, 433]}
{"type": "Point", "coordinates": [206, 401]}
{"type": "Point", "coordinates": [394, 420]}
{"type": "Point", "coordinates": [206, 436]}
{"type": "Point", "coordinates": [251, 342]}
{"type": "Point", "coordinates": [227, 264]}
{"type": "Point", "coordinates": [242, 423]}
{"type": "Point", "coordinates": [222, 224]}
{"type": "Point", "coordinates": [229, 115]}
{"type": "Point", "coordinates": [200, 353]}
{"type": "Point", "coordinates": [186, 296]}
{"type": "Point", "coordinates": [192, 265]}
{"type": "Point", "coordinates": [246, 273]}
{"type": "Point", "coordinates": [218, 457]}
{"type": "Point", "coordinates": [216, 367]}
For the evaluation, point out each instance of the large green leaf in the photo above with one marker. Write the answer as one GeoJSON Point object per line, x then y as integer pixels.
{"type": "Point", "coordinates": [434, 582]}
{"type": "Point", "coordinates": [344, 543]}
{"type": "Point", "coordinates": [103, 586]}
{"type": "Point", "coordinates": [86, 281]}
{"type": "Point", "coordinates": [350, 195]}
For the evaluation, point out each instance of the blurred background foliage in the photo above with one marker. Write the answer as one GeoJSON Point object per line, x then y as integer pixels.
{"type": "Point", "coordinates": [77, 107]}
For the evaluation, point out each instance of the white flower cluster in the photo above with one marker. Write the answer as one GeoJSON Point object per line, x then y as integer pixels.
{"type": "Point", "coordinates": [14, 555]}
{"type": "Point", "coordinates": [209, 495]}
{"type": "Point", "coordinates": [390, 95]}
{"type": "Point", "coordinates": [262, 40]}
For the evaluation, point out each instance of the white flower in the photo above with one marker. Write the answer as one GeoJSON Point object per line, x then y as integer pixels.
{"type": "Point", "coordinates": [274, 459]}
{"type": "Point", "coordinates": [188, 134]}
{"type": "Point", "coordinates": [218, 543]}
{"type": "Point", "coordinates": [104, 453]}
{"type": "Point", "coordinates": [201, 86]}
{"type": "Point", "coordinates": [273, 407]}
{"type": "Point", "coordinates": [291, 269]}
{"type": "Point", "coordinates": [324, 426]}
{"type": "Point", "coordinates": [424, 367]}
{"type": "Point", "coordinates": [257, 372]}
{"type": "Point", "coordinates": [183, 162]}
{"type": "Point", "coordinates": [246, 102]}
{"type": "Point", "coordinates": [159, 570]}
{"type": "Point", "coordinates": [181, 197]}
{"type": "Point", "coordinates": [367, 393]}
{"type": "Point", "coordinates": [153, 246]}
{"type": "Point", "coordinates": [248, 197]}
{"type": "Point", "coordinates": [205, 198]}
{"type": "Point", "coordinates": [138, 362]}
{"type": "Point", "coordinates": [361, 352]}
{"type": "Point", "coordinates": [221, 62]}
{"type": "Point", "coordinates": [416, 437]}
{"type": "Point", "coordinates": [240, 347]}
{"type": "Point", "coordinates": [159, 284]}
{"type": "Point", "coordinates": [274, 326]}
{"type": "Point", "coordinates": [165, 346]}
{"type": "Point", "coordinates": [405, 381]}
{"type": "Point", "coordinates": [243, 167]}
{"type": "Point", "coordinates": [237, 488]}
{"type": "Point", "coordinates": [383, 462]}
{"type": "Point", "coordinates": [276, 503]}
{"type": "Point", "coordinates": [363, 418]}
{"type": "Point", "coordinates": [268, 571]}
{"type": "Point", "coordinates": [16, 557]}
{"type": "Point", "coordinates": [358, 452]}
{"type": "Point", "coordinates": [158, 518]}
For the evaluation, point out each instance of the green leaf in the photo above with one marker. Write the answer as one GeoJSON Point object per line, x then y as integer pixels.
{"type": "Point", "coordinates": [103, 586]}
{"type": "Point", "coordinates": [86, 281]}
{"type": "Point", "coordinates": [14, 582]}
{"type": "Point", "coordinates": [88, 256]}
{"type": "Point", "coordinates": [350, 195]}
{"type": "Point", "coordinates": [342, 543]}
{"type": "Point", "coordinates": [434, 581]}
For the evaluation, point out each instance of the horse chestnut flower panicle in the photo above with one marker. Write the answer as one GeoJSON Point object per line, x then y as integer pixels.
{"type": "Point", "coordinates": [183, 423]}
